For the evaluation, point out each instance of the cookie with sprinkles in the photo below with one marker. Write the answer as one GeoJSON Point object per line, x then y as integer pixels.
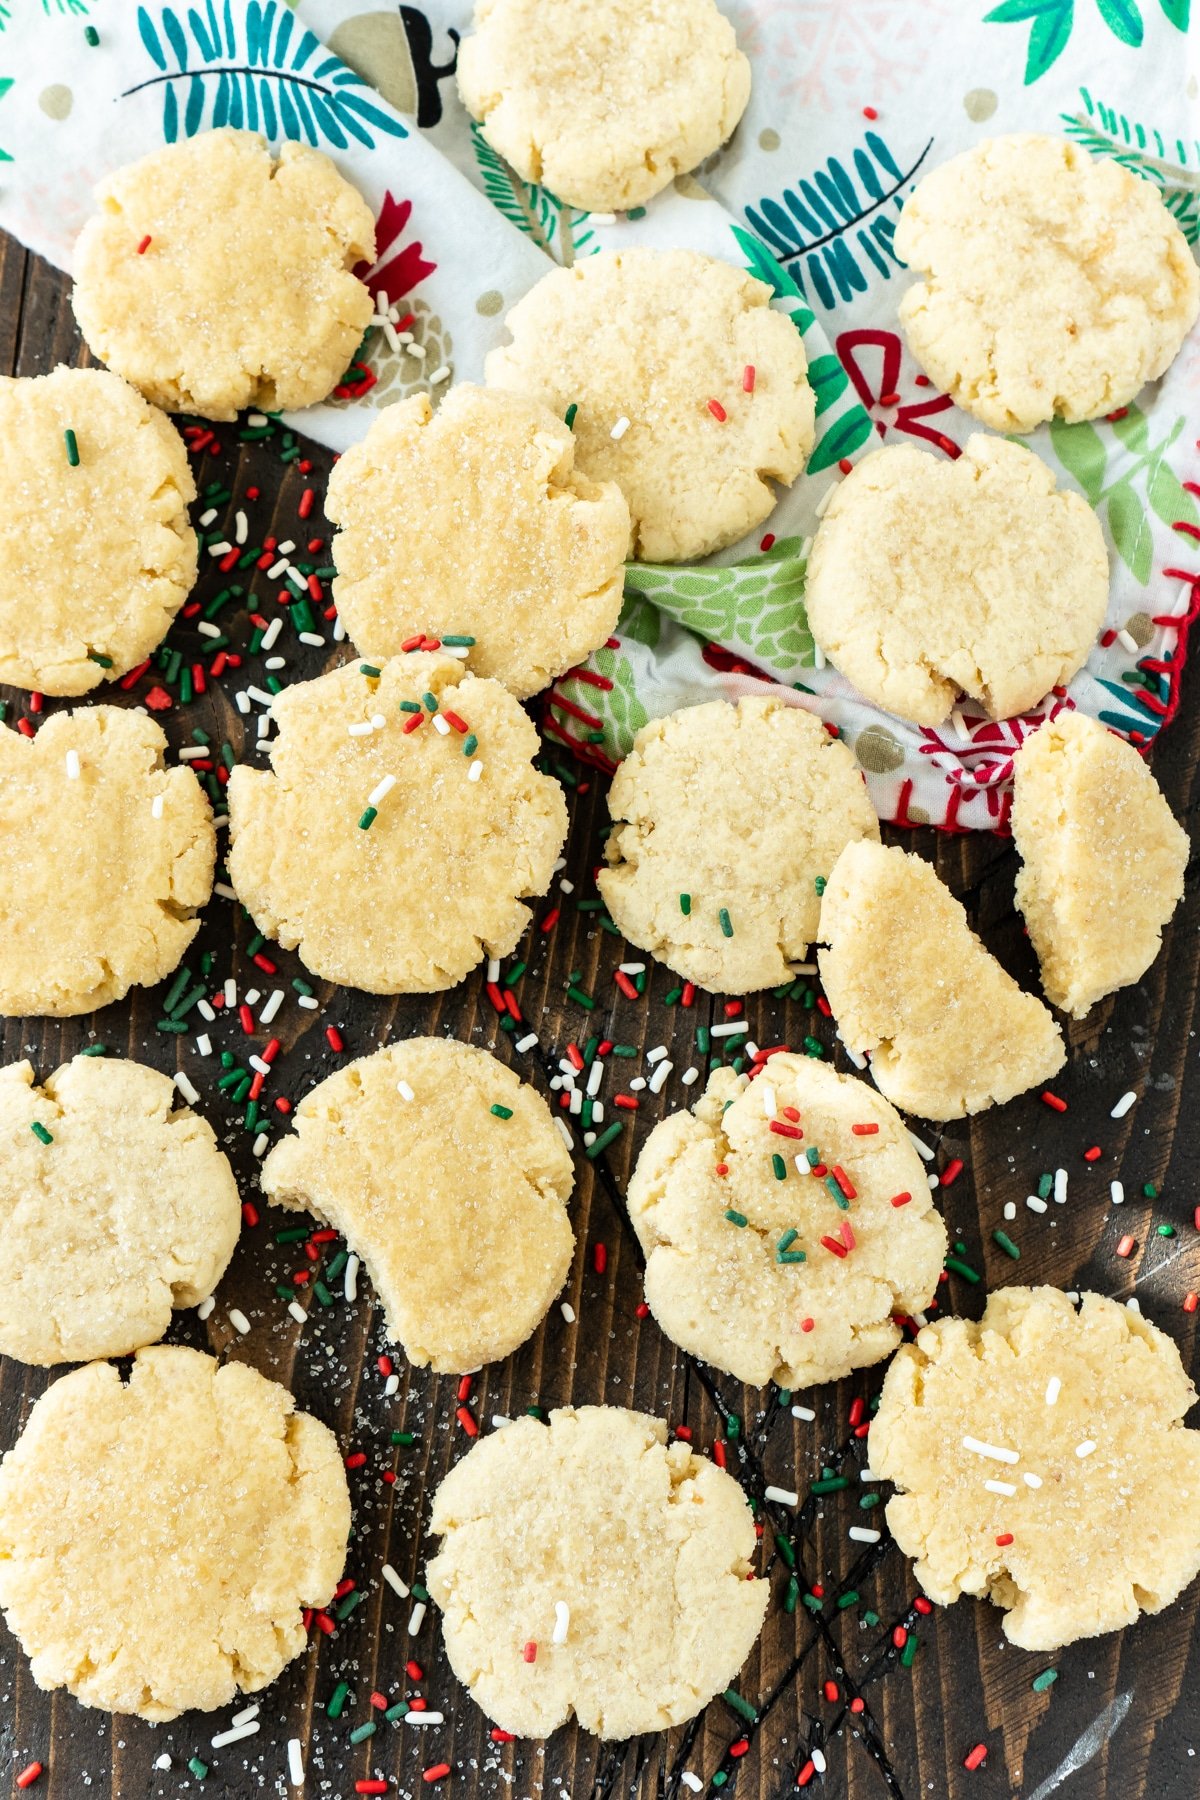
{"type": "Point", "coordinates": [932, 579]}
{"type": "Point", "coordinates": [400, 827]}
{"type": "Point", "coordinates": [1102, 859]}
{"type": "Point", "coordinates": [116, 1206]}
{"type": "Point", "coordinates": [732, 905]}
{"type": "Point", "coordinates": [106, 856]}
{"type": "Point", "coordinates": [605, 102]}
{"type": "Point", "coordinates": [161, 1536]}
{"type": "Point", "coordinates": [1042, 1463]}
{"type": "Point", "coordinates": [588, 1568]}
{"type": "Point", "coordinates": [683, 385]}
{"type": "Point", "coordinates": [448, 1176]}
{"type": "Point", "coordinates": [1054, 284]}
{"type": "Point", "coordinates": [215, 276]}
{"type": "Point", "coordinates": [471, 525]}
{"type": "Point", "coordinates": [786, 1221]}
{"type": "Point", "coordinates": [948, 1031]}
{"type": "Point", "coordinates": [97, 551]}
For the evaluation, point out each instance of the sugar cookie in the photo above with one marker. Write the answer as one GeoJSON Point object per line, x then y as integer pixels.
{"type": "Point", "coordinates": [588, 1568]}
{"type": "Point", "coordinates": [116, 1206]}
{"type": "Point", "coordinates": [654, 348]}
{"type": "Point", "coordinates": [105, 857]}
{"type": "Point", "coordinates": [216, 277]}
{"type": "Point", "coordinates": [733, 905]}
{"type": "Point", "coordinates": [929, 579]}
{"type": "Point", "coordinates": [1102, 859]}
{"type": "Point", "coordinates": [948, 1030]}
{"type": "Point", "coordinates": [447, 1175]}
{"type": "Point", "coordinates": [400, 826]}
{"type": "Point", "coordinates": [1042, 1464]}
{"type": "Point", "coordinates": [95, 544]}
{"type": "Point", "coordinates": [603, 101]}
{"type": "Point", "coordinates": [785, 1222]}
{"type": "Point", "coordinates": [1055, 283]}
{"type": "Point", "coordinates": [159, 1537]}
{"type": "Point", "coordinates": [472, 522]}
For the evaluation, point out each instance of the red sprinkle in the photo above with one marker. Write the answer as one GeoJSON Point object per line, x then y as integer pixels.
{"type": "Point", "coordinates": [356, 1459]}
{"type": "Point", "coordinates": [857, 1705]}
{"type": "Point", "coordinates": [1052, 1100]}
{"type": "Point", "coordinates": [899, 1636]}
{"type": "Point", "coordinates": [438, 1772]}
{"type": "Point", "coordinates": [719, 1453]}
{"type": "Point", "coordinates": [767, 542]}
{"type": "Point", "coordinates": [787, 1131]}
{"type": "Point", "coordinates": [249, 1214]}
{"type": "Point", "coordinates": [869, 112]}
{"type": "Point", "coordinates": [952, 1171]}
{"type": "Point", "coordinates": [414, 1671]}
{"type": "Point", "coordinates": [718, 411]}
{"type": "Point", "coordinates": [807, 1324]}
{"type": "Point", "coordinates": [901, 1199]}
{"type": "Point", "coordinates": [600, 1258]}
{"type": "Point", "coordinates": [247, 1019]}
{"type": "Point", "coordinates": [306, 504]}
{"type": "Point", "coordinates": [831, 1692]}
{"type": "Point", "coordinates": [973, 1759]}
{"type": "Point", "coordinates": [845, 465]}
{"type": "Point", "coordinates": [501, 1737]}
{"type": "Point", "coordinates": [688, 996]}
{"type": "Point", "coordinates": [923, 1606]}
{"type": "Point", "coordinates": [806, 1774]}
{"type": "Point", "coordinates": [641, 1310]}
{"type": "Point", "coordinates": [623, 982]}
{"type": "Point", "coordinates": [466, 1419]}
{"type": "Point", "coordinates": [141, 250]}
{"type": "Point", "coordinates": [333, 1038]}
{"type": "Point", "coordinates": [844, 1182]}
{"type": "Point", "coordinates": [411, 723]}
{"type": "Point", "coordinates": [748, 379]}
{"type": "Point", "coordinates": [858, 1407]}
{"type": "Point", "coordinates": [1190, 1302]}
{"type": "Point", "coordinates": [379, 1702]}
{"type": "Point", "coordinates": [31, 1771]}
{"type": "Point", "coordinates": [1127, 1246]}
{"type": "Point", "coordinates": [551, 918]}
{"type": "Point", "coordinates": [158, 699]}
{"type": "Point", "coordinates": [835, 1246]}
{"type": "Point", "coordinates": [530, 1652]}
{"type": "Point", "coordinates": [464, 1387]}
{"type": "Point", "coordinates": [1094, 1154]}
{"type": "Point", "coordinates": [627, 1101]}
{"type": "Point", "coordinates": [371, 1784]}
{"type": "Point", "coordinates": [864, 1130]}
{"type": "Point", "coordinates": [1004, 1539]}
{"type": "Point", "coordinates": [740, 1748]}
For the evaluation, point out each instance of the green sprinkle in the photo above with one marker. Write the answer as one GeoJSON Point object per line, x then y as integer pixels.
{"type": "Point", "coordinates": [580, 998]}
{"type": "Point", "coordinates": [819, 885]}
{"type": "Point", "coordinates": [792, 1596]}
{"type": "Point", "coordinates": [514, 974]}
{"type": "Point", "coordinates": [813, 1047]}
{"type": "Point", "coordinates": [368, 818]}
{"type": "Point", "coordinates": [741, 1707]}
{"type": "Point", "coordinates": [685, 904]}
{"type": "Point", "coordinates": [337, 1265]}
{"type": "Point", "coordinates": [294, 1234]}
{"type": "Point", "coordinates": [835, 1190]}
{"type": "Point", "coordinates": [188, 1002]}
{"type": "Point", "coordinates": [404, 1438]}
{"type": "Point", "coordinates": [870, 1618]}
{"type": "Point", "coordinates": [199, 1769]}
{"type": "Point", "coordinates": [94, 1050]}
{"type": "Point", "coordinates": [92, 36]}
{"type": "Point", "coordinates": [956, 1266]}
{"type": "Point", "coordinates": [431, 701]}
{"type": "Point", "coordinates": [908, 1655]}
{"type": "Point", "coordinates": [410, 706]}
{"type": "Point", "coordinates": [370, 671]}
{"type": "Point", "coordinates": [847, 1600]}
{"type": "Point", "coordinates": [1044, 1187]}
{"type": "Point", "coordinates": [736, 1218]}
{"type": "Point", "coordinates": [733, 1427]}
{"type": "Point", "coordinates": [463, 643]}
{"type": "Point", "coordinates": [418, 1592]}
{"type": "Point", "coordinates": [401, 1709]}
{"type": "Point", "coordinates": [337, 1700]}
{"type": "Point", "coordinates": [813, 1156]}
{"type": "Point", "coordinates": [1149, 1191]}
{"type": "Point", "coordinates": [784, 1397]}
{"type": "Point", "coordinates": [1166, 1231]}
{"type": "Point", "coordinates": [353, 1599]}
{"type": "Point", "coordinates": [608, 1136]}
{"type": "Point", "coordinates": [790, 1256]}
{"type": "Point", "coordinates": [702, 1040]}
{"type": "Point", "coordinates": [720, 1778]}
{"type": "Point", "coordinates": [830, 1484]}
{"type": "Point", "coordinates": [361, 1733]}
{"type": "Point", "coordinates": [778, 1166]}
{"type": "Point", "coordinates": [40, 1133]}
{"type": "Point", "coordinates": [569, 417]}
{"type": "Point", "coordinates": [470, 744]}
{"type": "Point", "coordinates": [72, 448]}
{"type": "Point", "coordinates": [867, 1501]}
{"type": "Point", "coordinates": [785, 1550]}
{"type": "Point", "coordinates": [323, 1294]}
{"type": "Point", "coordinates": [625, 1050]}
{"type": "Point", "coordinates": [787, 1240]}
{"type": "Point", "coordinates": [176, 989]}
{"type": "Point", "coordinates": [673, 996]}
{"type": "Point", "coordinates": [286, 1293]}
{"type": "Point", "coordinates": [105, 662]}
{"type": "Point", "coordinates": [301, 987]}
{"type": "Point", "coordinates": [1006, 1244]}
{"type": "Point", "coordinates": [176, 1025]}
{"type": "Point", "coordinates": [1045, 1680]}
{"type": "Point", "coordinates": [814, 1603]}
{"type": "Point", "coordinates": [502, 1112]}
{"type": "Point", "coordinates": [592, 1046]}
{"type": "Point", "coordinates": [726, 921]}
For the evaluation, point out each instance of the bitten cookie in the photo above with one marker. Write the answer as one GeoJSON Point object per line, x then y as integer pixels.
{"type": "Point", "coordinates": [587, 1568]}
{"type": "Point", "coordinates": [216, 277]}
{"type": "Point", "coordinates": [1102, 859]}
{"type": "Point", "coordinates": [604, 101]}
{"type": "Point", "coordinates": [929, 579]}
{"type": "Point", "coordinates": [948, 1030]}
{"type": "Point", "coordinates": [97, 552]}
{"type": "Point", "coordinates": [785, 1222]}
{"type": "Point", "coordinates": [400, 826]}
{"type": "Point", "coordinates": [1054, 283]}
{"type": "Point", "coordinates": [690, 392]}
{"type": "Point", "coordinates": [159, 1537]}
{"type": "Point", "coordinates": [115, 1207]}
{"type": "Point", "coordinates": [733, 904]}
{"type": "Point", "coordinates": [105, 857]}
{"type": "Point", "coordinates": [471, 522]}
{"type": "Point", "coordinates": [447, 1175]}
{"type": "Point", "coordinates": [1042, 1463]}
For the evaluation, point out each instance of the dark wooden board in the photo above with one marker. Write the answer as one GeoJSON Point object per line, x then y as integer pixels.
{"type": "Point", "coordinates": [1132, 1694]}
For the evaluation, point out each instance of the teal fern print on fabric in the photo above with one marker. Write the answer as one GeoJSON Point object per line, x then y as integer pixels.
{"type": "Point", "coordinates": [1172, 164]}
{"type": "Point", "coordinates": [560, 230]}
{"type": "Point", "coordinates": [1051, 23]}
{"type": "Point", "coordinates": [259, 70]}
{"type": "Point", "coordinates": [834, 229]}
{"type": "Point", "coordinates": [5, 84]}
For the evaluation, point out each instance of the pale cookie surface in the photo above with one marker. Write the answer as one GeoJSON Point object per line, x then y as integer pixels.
{"type": "Point", "coordinates": [793, 1279]}
{"type": "Point", "coordinates": [471, 522]}
{"type": "Point", "coordinates": [624, 1561]}
{"type": "Point", "coordinates": [947, 1029]}
{"type": "Point", "coordinates": [128, 1210]}
{"type": "Point", "coordinates": [1042, 1464]}
{"type": "Point", "coordinates": [1102, 859]}
{"type": "Point", "coordinates": [159, 1537]}
{"type": "Point", "coordinates": [731, 904]}
{"type": "Point", "coordinates": [244, 295]}
{"type": "Point", "coordinates": [448, 1176]}
{"type": "Point", "coordinates": [603, 101]}
{"type": "Point", "coordinates": [98, 556]}
{"type": "Point", "coordinates": [405, 892]}
{"type": "Point", "coordinates": [1054, 283]}
{"type": "Point", "coordinates": [929, 579]}
{"type": "Point", "coordinates": [105, 857]}
{"type": "Point", "coordinates": [640, 341]}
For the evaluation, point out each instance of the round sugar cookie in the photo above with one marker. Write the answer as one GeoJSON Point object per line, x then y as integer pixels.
{"type": "Point", "coordinates": [656, 350]}
{"type": "Point", "coordinates": [106, 856]}
{"type": "Point", "coordinates": [160, 1537]}
{"type": "Point", "coordinates": [448, 1176]}
{"type": "Point", "coordinates": [216, 277]}
{"type": "Point", "coordinates": [1041, 1462]}
{"type": "Point", "coordinates": [931, 579]}
{"type": "Point", "coordinates": [947, 1029]}
{"type": "Point", "coordinates": [588, 1568]}
{"type": "Point", "coordinates": [1054, 283]}
{"type": "Point", "coordinates": [115, 1206]}
{"type": "Point", "coordinates": [785, 1221]}
{"type": "Point", "coordinates": [471, 522]}
{"type": "Point", "coordinates": [727, 816]}
{"type": "Point", "coordinates": [399, 827]}
{"type": "Point", "coordinates": [95, 544]}
{"type": "Point", "coordinates": [603, 101]}
{"type": "Point", "coordinates": [1102, 859]}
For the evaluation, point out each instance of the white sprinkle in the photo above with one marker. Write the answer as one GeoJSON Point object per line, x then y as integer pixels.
{"type": "Point", "coordinates": [620, 428]}
{"type": "Point", "coordinates": [784, 1496]}
{"type": "Point", "coordinates": [825, 499]}
{"type": "Point", "coordinates": [934, 1180]}
{"type": "Point", "coordinates": [1032, 1481]}
{"type": "Point", "coordinates": [1128, 642]}
{"type": "Point", "coordinates": [527, 1042]}
{"type": "Point", "coordinates": [247, 1713]}
{"type": "Point", "coordinates": [287, 546]}
{"type": "Point", "coordinates": [658, 1080]}
{"type": "Point", "coordinates": [238, 1320]}
{"type": "Point", "coordinates": [493, 972]}
{"type": "Point", "coordinates": [221, 549]}
{"type": "Point", "coordinates": [381, 790]}
{"type": "Point", "coordinates": [692, 1782]}
{"type": "Point", "coordinates": [224, 890]}
{"type": "Point", "coordinates": [156, 807]}
{"type": "Point", "coordinates": [271, 634]}
{"type": "Point", "coordinates": [257, 419]}
{"type": "Point", "coordinates": [475, 771]}
{"type": "Point", "coordinates": [230, 991]}
{"type": "Point", "coordinates": [242, 701]}
{"type": "Point", "coordinates": [595, 1077]}
{"type": "Point", "coordinates": [297, 1311]}
{"type": "Point", "coordinates": [424, 1718]}
{"type": "Point", "coordinates": [1035, 1203]}
{"type": "Point", "coordinates": [1053, 1390]}
{"type": "Point", "coordinates": [276, 569]}
{"type": "Point", "coordinates": [576, 1106]}
{"type": "Point", "coordinates": [264, 726]}
{"type": "Point", "coordinates": [257, 1063]}
{"type": "Point", "coordinates": [405, 1091]}
{"type": "Point", "coordinates": [860, 1062]}
{"type": "Point", "coordinates": [994, 1451]}
{"type": "Point", "coordinates": [207, 629]}
{"type": "Point", "coordinates": [235, 1735]}
{"type": "Point", "coordinates": [566, 1134]}
{"type": "Point", "coordinates": [274, 1001]}
{"type": "Point", "coordinates": [868, 1475]}
{"type": "Point", "coordinates": [163, 1761]}
{"type": "Point", "coordinates": [350, 1282]}
{"type": "Point", "coordinates": [632, 968]}
{"type": "Point", "coordinates": [768, 1099]}
{"type": "Point", "coordinates": [690, 1075]}
{"type": "Point", "coordinates": [73, 765]}
{"type": "Point", "coordinates": [1060, 1186]}
{"type": "Point", "coordinates": [308, 1002]}
{"type": "Point", "coordinates": [562, 1622]}
{"type": "Point", "coordinates": [1118, 1193]}
{"type": "Point", "coordinates": [1010, 1209]}
{"type": "Point", "coordinates": [183, 1083]}
{"type": "Point", "coordinates": [999, 1487]}
{"type": "Point", "coordinates": [960, 726]}
{"type": "Point", "coordinates": [568, 887]}
{"type": "Point", "coordinates": [250, 996]}
{"type": "Point", "coordinates": [568, 1312]}
{"type": "Point", "coordinates": [1086, 1448]}
{"type": "Point", "coordinates": [750, 1047]}
{"type": "Point", "coordinates": [295, 1762]}
{"type": "Point", "coordinates": [861, 1535]}
{"type": "Point", "coordinates": [733, 1029]}
{"type": "Point", "coordinates": [803, 1412]}
{"type": "Point", "coordinates": [206, 1308]}
{"type": "Point", "coordinates": [311, 637]}
{"type": "Point", "coordinates": [440, 725]}
{"type": "Point", "coordinates": [259, 1146]}
{"type": "Point", "coordinates": [597, 1112]}
{"type": "Point", "coordinates": [260, 696]}
{"type": "Point", "coordinates": [657, 1054]}
{"type": "Point", "coordinates": [191, 752]}
{"type": "Point", "coordinates": [416, 1618]}
{"type": "Point", "coordinates": [1133, 1304]}
{"type": "Point", "coordinates": [923, 1150]}
{"type": "Point", "coordinates": [391, 1386]}
{"type": "Point", "coordinates": [360, 728]}
{"type": "Point", "coordinates": [241, 527]}
{"type": "Point", "coordinates": [817, 1759]}
{"type": "Point", "coordinates": [206, 518]}
{"type": "Point", "coordinates": [204, 1044]}
{"type": "Point", "coordinates": [602, 218]}
{"type": "Point", "coordinates": [439, 374]}
{"type": "Point", "coordinates": [417, 350]}
{"type": "Point", "coordinates": [499, 1421]}
{"type": "Point", "coordinates": [1123, 1105]}
{"type": "Point", "coordinates": [394, 1582]}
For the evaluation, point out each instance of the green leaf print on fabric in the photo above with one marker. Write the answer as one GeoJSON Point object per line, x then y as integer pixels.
{"type": "Point", "coordinates": [828, 381]}
{"type": "Point", "coordinates": [1080, 449]}
{"type": "Point", "coordinates": [1170, 163]}
{"type": "Point", "coordinates": [756, 606]}
{"type": "Point", "coordinates": [561, 231]}
{"type": "Point", "coordinates": [1142, 481]}
{"type": "Point", "coordinates": [6, 82]}
{"type": "Point", "coordinates": [846, 435]}
{"type": "Point", "coordinates": [1051, 22]}
{"type": "Point", "coordinates": [1123, 20]}
{"type": "Point", "coordinates": [622, 711]}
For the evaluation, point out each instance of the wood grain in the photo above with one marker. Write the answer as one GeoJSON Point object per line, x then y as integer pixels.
{"type": "Point", "coordinates": [916, 1724]}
